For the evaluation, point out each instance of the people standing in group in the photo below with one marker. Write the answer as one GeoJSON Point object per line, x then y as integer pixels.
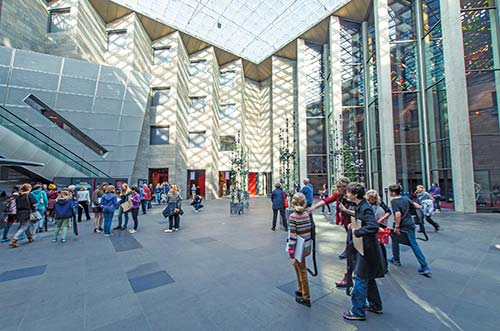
{"type": "Point", "coordinates": [324, 195]}
{"type": "Point", "coordinates": [173, 209]}
{"type": "Point", "coordinates": [369, 265]}
{"type": "Point", "coordinates": [136, 201]}
{"type": "Point", "coordinates": [158, 191]}
{"type": "Point", "coordinates": [382, 214]}
{"type": "Point", "coordinates": [42, 201]}
{"type": "Point", "coordinates": [10, 213]}
{"type": "Point", "coordinates": [435, 192]}
{"type": "Point", "coordinates": [52, 195]}
{"type": "Point", "coordinates": [404, 226]}
{"type": "Point", "coordinates": [425, 206]}
{"type": "Point", "coordinates": [126, 195]}
{"type": "Point", "coordinates": [109, 203]}
{"type": "Point", "coordinates": [63, 214]}
{"type": "Point", "coordinates": [300, 227]}
{"type": "Point", "coordinates": [278, 197]}
{"type": "Point", "coordinates": [97, 207]}
{"type": "Point", "coordinates": [25, 205]}
{"type": "Point", "coordinates": [83, 200]}
{"type": "Point", "coordinates": [342, 217]}
{"type": "Point", "coordinates": [142, 193]}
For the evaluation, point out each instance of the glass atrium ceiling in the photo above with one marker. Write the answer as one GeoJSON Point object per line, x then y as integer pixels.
{"type": "Point", "coordinates": [251, 29]}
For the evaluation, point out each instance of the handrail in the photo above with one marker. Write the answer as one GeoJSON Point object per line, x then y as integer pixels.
{"type": "Point", "coordinates": [79, 162]}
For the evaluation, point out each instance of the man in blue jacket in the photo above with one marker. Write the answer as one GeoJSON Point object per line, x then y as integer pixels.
{"type": "Point", "coordinates": [308, 192]}
{"type": "Point", "coordinates": [278, 200]}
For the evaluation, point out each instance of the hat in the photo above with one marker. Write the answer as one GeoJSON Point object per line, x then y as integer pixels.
{"type": "Point", "coordinates": [52, 187]}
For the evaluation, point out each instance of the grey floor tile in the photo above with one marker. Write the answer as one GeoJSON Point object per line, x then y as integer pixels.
{"type": "Point", "coordinates": [316, 291]}
{"type": "Point", "coordinates": [150, 281]}
{"type": "Point", "coordinates": [23, 273]}
{"type": "Point", "coordinates": [123, 241]}
{"type": "Point", "coordinates": [203, 240]}
{"type": "Point", "coordinates": [134, 323]}
{"type": "Point", "coordinates": [143, 269]}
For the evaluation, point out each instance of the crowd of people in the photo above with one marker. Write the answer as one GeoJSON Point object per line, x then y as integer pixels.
{"type": "Point", "coordinates": [365, 218]}
{"type": "Point", "coordinates": [35, 207]}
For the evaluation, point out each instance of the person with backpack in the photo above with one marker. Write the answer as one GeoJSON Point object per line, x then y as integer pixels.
{"type": "Point", "coordinates": [63, 214]}
{"type": "Point", "coordinates": [173, 210]}
{"type": "Point", "coordinates": [369, 265]}
{"type": "Point", "coordinates": [25, 206]}
{"type": "Point", "coordinates": [300, 226]}
{"type": "Point", "coordinates": [10, 213]}
{"type": "Point", "coordinates": [278, 197]}
{"type": "Point", "coordinates": [42, 201]}
{"type": "Point", "coordinates": [109, 203]}
{"type": "Point", "coordinates": [404, 229]}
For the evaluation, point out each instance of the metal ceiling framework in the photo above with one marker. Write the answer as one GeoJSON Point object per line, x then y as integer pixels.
{"type": "Point", "coordinates": [356, 10]}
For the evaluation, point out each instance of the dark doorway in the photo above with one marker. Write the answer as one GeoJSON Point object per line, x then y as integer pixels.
{"type": "Point", "coordinates": [224, 183]}
{"type": "Point", "coordinates": [196, 177]}
{"type": "Point", "coordinates": [158, 175]}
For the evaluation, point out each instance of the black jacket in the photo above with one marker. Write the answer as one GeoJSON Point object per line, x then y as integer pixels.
{"type": "Point", "coordinates": [371, 264]}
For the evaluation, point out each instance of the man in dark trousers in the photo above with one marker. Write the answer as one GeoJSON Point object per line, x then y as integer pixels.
{"type": "Point", "coordinates": [308, 192]}
{"type": "Point", "coordinates": [278, 200]}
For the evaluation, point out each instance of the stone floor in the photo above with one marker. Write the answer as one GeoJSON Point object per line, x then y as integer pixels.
{"type": "Point", "coordinates": [222, 272]}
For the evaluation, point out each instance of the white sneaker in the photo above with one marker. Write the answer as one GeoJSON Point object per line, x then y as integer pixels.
{"type": "Point", "coordinates": [176, 229]}
{"type": "Point", "coordinates": [167, 231]}
{"type": "Point", "coordinates": [132, 231]}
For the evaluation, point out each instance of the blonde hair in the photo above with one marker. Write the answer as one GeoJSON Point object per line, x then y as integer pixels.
{"type": "Point", "coordinates": [110, 189]}
{"type": "Point", "coordinates": [25, 188]}
{"type": "Point", "coordinates": [373, 194]}
{"type": "Point", "coordinates": [174, 189]}
{"type": "Point", "coordinates": [422, 187]}
{"type": "Point", "coordinates": [125, 188]}
{"type": "Point", "coordinates": [63, 195]}
{"type": "Point", "coordinates": [299, 202]}
{"type": "Point", "coordinates": [341, 184]}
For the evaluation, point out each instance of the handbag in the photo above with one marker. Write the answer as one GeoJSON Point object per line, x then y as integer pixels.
{"type": "Point", "coordinates": [34, 215]}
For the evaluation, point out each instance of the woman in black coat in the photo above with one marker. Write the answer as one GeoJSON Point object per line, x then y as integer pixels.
{"type": "Point", "coordinates": [369, 265]}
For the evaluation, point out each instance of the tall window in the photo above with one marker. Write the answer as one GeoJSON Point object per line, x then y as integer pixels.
{"type": "Point", "coordinates": [59, 19]}
{"type": "Point", "coordinates": [160, 96]}
{"type": "Point", "coordinates": [198, 67]}
{"type": "Point", "coordinates": [117, 39]}
{"type": "Point", "coordinates": [159, 135]}
{"type": "Point", "coordinates": [197, 139]}
{"type": "Point", "coordinates": [481, 49]}
{"type": "Point", "coordinates": [197, 104]}
{"type": "Point", "coordinates": [228, 78]}
{"type": "Point", "coordinates": [162, 55]}
{"type": "Point", "coordinates": [227, 143]}
{"type": "Point", "coordinates": [229, 111]}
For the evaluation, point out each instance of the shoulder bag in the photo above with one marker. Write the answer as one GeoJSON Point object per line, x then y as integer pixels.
{"type": "Point", "coordinates": [34, 215]}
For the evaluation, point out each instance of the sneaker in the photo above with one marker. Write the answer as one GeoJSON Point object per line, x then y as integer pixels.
{"type": "Point", "coordinates": [425, 272]}
{"type": "Point", "coordinates": [373, 310]}
{"type": "Point", "coordinates": [97, 230]}
{"type": "Point", "coordinates": [63, 240]}
{"type": "Point", "coordinates": [117, 228]}
{"type": "Point", "coordinates": [348, 315]}
{"type": "Point", "coordinates": [176, 229]}
{"type": "Point", "coordinates": [168, 231]}
{"type": "Point", "coordinates": [123, 228]}
{"type": "Point", "coordinates": [107, 235]}
{"type": "Point", "coordinates": [132, 231]}
{"type": "Point", "coordinates": [393, 261]}
{"type": "Point", "coordinates": [100, 229]}
{"type": "Point", "coordinates": [54, 240]}
{"type": "Point", "coordinates": [4, 240]}
{"type": "Point", "coordinates": [301, 301]}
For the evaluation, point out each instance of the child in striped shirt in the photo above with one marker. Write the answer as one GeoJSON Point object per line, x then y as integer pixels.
{"type": "Point", "coordinates": [300, 225]}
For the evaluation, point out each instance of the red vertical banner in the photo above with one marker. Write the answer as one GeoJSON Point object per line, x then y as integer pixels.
{"type": "Point", "coordinates": [252, 183]}
{"type": "Point", "coordinates": [201, 182]}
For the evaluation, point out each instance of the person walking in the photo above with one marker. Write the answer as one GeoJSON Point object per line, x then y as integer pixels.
{"type": "Point", "coordinates": [369, 265]}
{"type": "Point", "coordinates": [42, 201]}
{"type": "Point", "coordinates": [382, 213]}
{"type": "Point", "coordinates": [425, 208]}
{"type": "Point", "coordinates": [142, 193]}
{"type": "Point", "coordinates": [324, 195]}
{"type": "Point", "coordinates": [158, 191]}
{"type": "Point", "coordinates": [109, 203]}
{"type": "Point", "coordinates": [174, 209]}
{"type": "Point", "coordinates": [126, 195]}
{"type": "Point", "coordinates": [404, 226]}
{"type": "Point", "coordinates": [25, 205]}
{"type": "Point", "coordinates": [435, 192]}
{"type": "Point", "coordinates": [97, 207]}
{"type": "Point", "coordinates": [300, 230]}
{"type": "Point", "coordinates": [278, 197]}
{"type": "Point", "coordinates": [83, 199]}
{"type": "Point", "coordinates": [136, 201]}
{"type": "Point", "coordinates": [63, 214]}
{"type": "Point", "coordinates": [10, 214]}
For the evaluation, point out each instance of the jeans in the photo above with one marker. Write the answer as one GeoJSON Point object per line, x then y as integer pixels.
{"type": "Point", "coordinates": [174, 221]}
{"type": "Point", "coordinates": [25, 227]}
{"type": "Point", "coordinates": [108, 219]}
{"type": "Point", "coordinates": [150, 205]}
{"type": "Point", "coordinates": [144, 204]}
{"type": "Point", "coordinates": [158, 198]}
{"type": "Point", "coordinates": [61, 223]}
{"type": "Point", "coordinates": [41, 210]}
{"type": "Point", "coordinates": [365, 289]}
{"type": "Point", "coordinates": [414, 247]}
{"type": "Point", "coordinates": [120, 214]}
{"type": "Point", "coordinates": [301, 271]}
{"type": "Point", "coordinates": [135, 213]}
{"type": "Point", "coordinates": [283, 217]}
{"type": "Point", "coordinates": [327, 206]}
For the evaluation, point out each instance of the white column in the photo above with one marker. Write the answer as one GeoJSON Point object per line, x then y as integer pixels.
{"type": "Point", "coordinates": [336, 93]}
{"type": "Point", "coordinates": [383, 52]}
{"type": "Point", "coordinates": [301, 111]}
{"type": "Point", "coordinates": [456, 96]}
